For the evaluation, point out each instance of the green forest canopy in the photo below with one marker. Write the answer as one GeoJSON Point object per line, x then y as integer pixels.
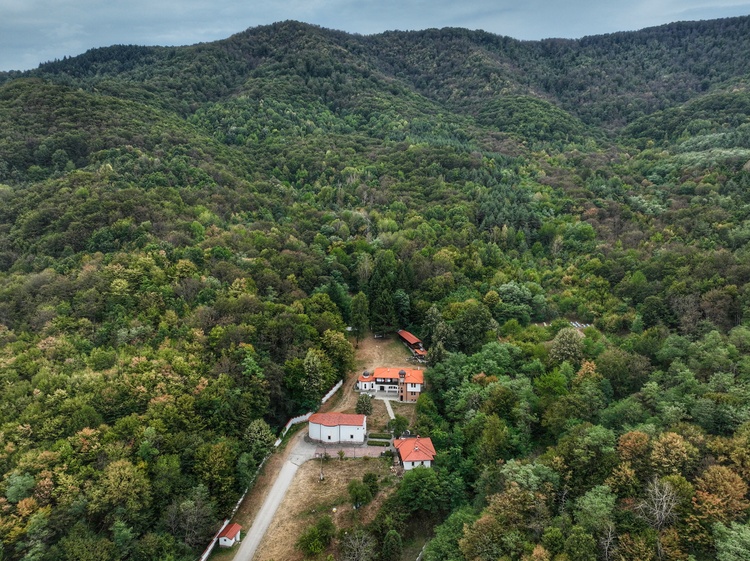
{"type": "Point", "coordinates": [183, 230]}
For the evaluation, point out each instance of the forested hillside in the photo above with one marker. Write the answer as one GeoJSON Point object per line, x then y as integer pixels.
{"type": "Point", "coordinates": [185, 234]}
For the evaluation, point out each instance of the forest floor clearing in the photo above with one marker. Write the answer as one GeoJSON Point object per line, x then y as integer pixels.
{"type": "Point", "coordinates": [387, 351]}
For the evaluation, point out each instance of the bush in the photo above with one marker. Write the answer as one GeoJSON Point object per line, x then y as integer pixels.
{"type": "Point", "coordinates": [392, 546]}
{"type": "Point", "coordinates": [398, 425]}
{"type": "Point", "coordinates": [371, 480]}
{"type": "Point", "coordinates": [378, 443]}
{"type": "Point", "coordinates": [315, 539]}
{"type": "Point", "coordinates": [385, 435]}
{"type": "Point", "coordinates": [359, 493]}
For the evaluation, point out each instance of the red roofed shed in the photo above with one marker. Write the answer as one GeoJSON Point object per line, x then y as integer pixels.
{"type": "Point", "coordinates": [408, 338]}
{"type": "Point", "coordinates": [230, 535]}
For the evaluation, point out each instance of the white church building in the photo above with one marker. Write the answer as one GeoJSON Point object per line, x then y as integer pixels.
{"type": "Point", "coordinates": [337, 427]}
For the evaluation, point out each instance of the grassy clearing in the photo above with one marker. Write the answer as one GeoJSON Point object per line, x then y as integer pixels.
{"type": "Point", "coordinates": [408, 410]}
{"type": "Point", "coordinates": [309, 498]}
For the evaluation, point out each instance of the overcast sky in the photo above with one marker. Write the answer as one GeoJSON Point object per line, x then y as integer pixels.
{"type": "Point", "coordinates": [35, 31]}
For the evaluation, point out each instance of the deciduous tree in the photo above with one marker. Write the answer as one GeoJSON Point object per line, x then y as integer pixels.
{"type": "Point", "coordinates": [364, 405]}
{"type": "Point", "coordinates": [567, 346]}
{"type": "Point", "coordinates": [358, 545]}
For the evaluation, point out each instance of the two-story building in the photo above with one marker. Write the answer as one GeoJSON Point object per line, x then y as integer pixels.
{"type": "Point", "coordinates": [406, 383]}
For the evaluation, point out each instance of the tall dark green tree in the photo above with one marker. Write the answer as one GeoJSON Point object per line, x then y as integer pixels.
{"type": "Point", "coordinates": [382, 285]}
{"type": "Point", "coordinates": [360, 316]}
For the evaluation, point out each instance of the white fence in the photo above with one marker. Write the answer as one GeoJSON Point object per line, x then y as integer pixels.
{"type": "Point", "coordinates": [291, 422]}
{"type": "Point", "coordinates": [212, 545]}
{"type": "Point", "coordinates": [303, 418]}
{"type": "Point", "coordinates": [334, 389]}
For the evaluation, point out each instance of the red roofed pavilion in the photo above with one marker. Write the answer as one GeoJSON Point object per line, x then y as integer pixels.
{"type": "Point", "coordinates": [408, 337]}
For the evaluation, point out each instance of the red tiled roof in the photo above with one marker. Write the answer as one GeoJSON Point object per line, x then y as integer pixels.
{"type": "Point", "coordinates": [408, 337]}
{"type": "Point", "coordinates": [415, 449]}
{"type": "Point", "coordinates": [337, 419]}
{"type": "Point", "coordinates": [231, 531]}
{"type": "Point", "coordinates": [420, 352]}
{"type": "Point", "coordinates": [412, 376]}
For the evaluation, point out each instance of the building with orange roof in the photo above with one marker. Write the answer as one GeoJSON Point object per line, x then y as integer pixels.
{"type": "Point", "coordinates": [406, 383]}
{"type": "Point", "coordinates": [415, 451]}
{"type": "Point", "coordinates": [230, 535]}
{"type": "Point", "coordinates": [409, 338]}
{"type": "Point", "coordinates": [337, 427]}
{"type": "Point", "coordinates": [414, 344]}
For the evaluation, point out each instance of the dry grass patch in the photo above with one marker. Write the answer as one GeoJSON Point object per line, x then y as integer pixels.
{"type": "Point", "coordinates": [388, 351]}
{"type": "Point", "coordinates": [379, 419]}
{"type": "Point", "coordinates": [408, 410]}
{"type": "Point", "coordinates": [308, 498]}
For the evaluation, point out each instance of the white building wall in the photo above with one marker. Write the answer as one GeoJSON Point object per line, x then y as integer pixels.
{"type": "Point", "coordinates": [226, 542]}
{"type": "Point", "coordinates": [342, 433]}
{"type": "Point", "coordinates": [329, 434]}
{"type": "Point", "coordinates": [412, 465]}
{"type": "Point", "coordinates": [314, 431]}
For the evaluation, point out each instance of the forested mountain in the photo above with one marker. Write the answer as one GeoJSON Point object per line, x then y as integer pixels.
{"type": "Point", "coordinates": [183, 230]}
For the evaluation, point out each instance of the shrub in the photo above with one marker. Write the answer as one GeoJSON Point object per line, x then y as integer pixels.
{"type": "Point", "coordinates": [315, 539]}
{"type": "Point", "coordinates": [371, 480]}
{"type": "Point", "coordinates": [385, 435]}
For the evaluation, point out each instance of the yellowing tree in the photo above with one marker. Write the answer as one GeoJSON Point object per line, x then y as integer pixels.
{"type": "Point", "coordinates": [719, 497]}
{"type": "Point", "coordinates": [671, 454]}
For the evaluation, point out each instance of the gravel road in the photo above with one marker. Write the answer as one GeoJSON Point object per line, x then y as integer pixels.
{"type": "Point", "coordinates": [302, 452]}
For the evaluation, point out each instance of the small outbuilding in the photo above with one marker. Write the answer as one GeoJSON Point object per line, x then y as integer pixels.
{"type": "Point", "coordinates": [230, 535]}
{"type": "Point", "coordinates": [337, 427]}
{"type": "Point", "coordinates": [414, 344]}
